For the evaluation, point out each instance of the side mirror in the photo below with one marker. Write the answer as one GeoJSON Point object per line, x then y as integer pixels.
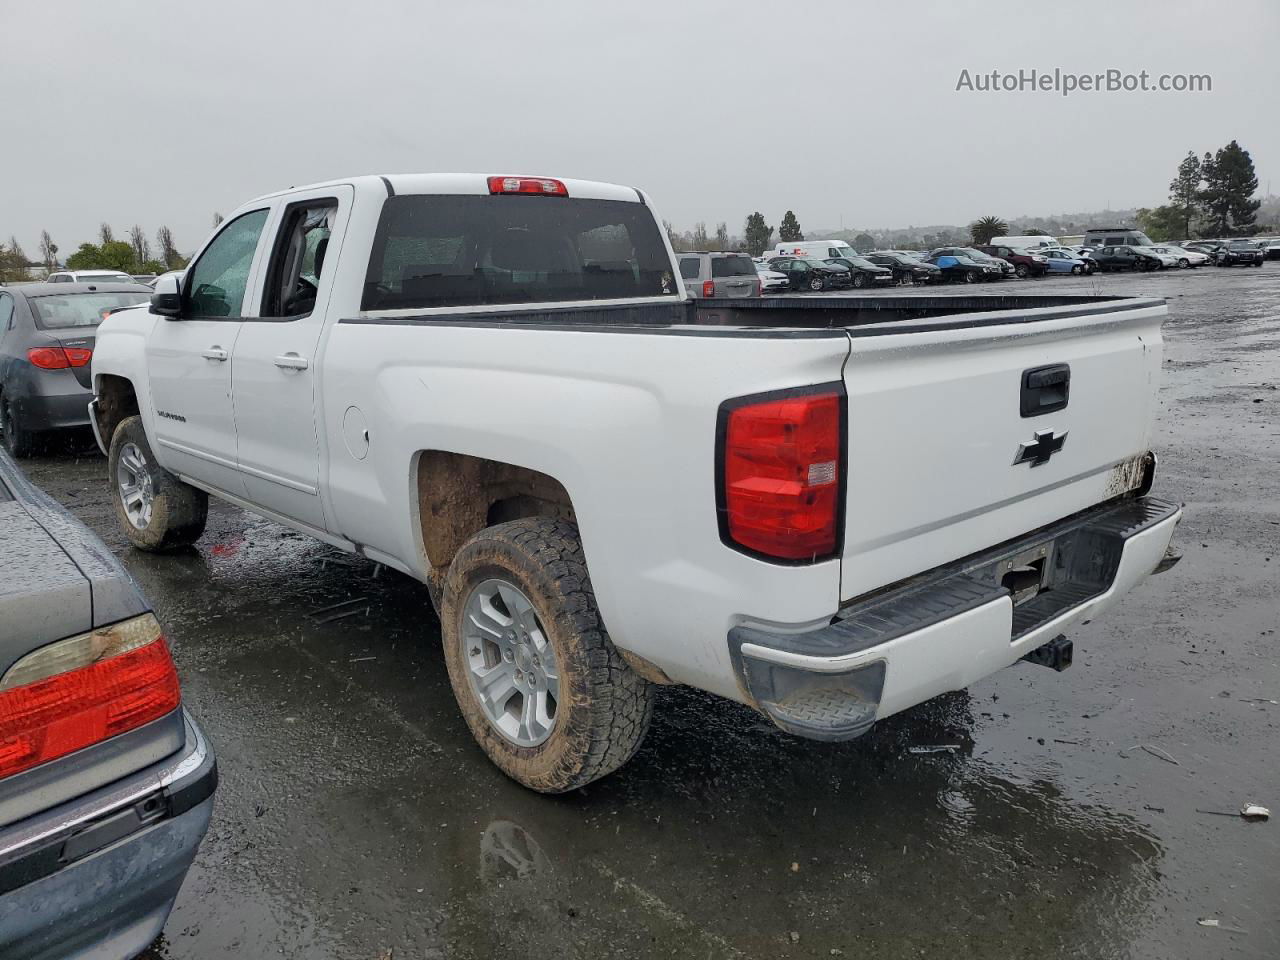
{"type": "Point", "coordinates": [166, 298]}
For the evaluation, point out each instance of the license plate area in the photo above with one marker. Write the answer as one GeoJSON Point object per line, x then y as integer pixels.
{"type": "Point", "coordinates": [1025, 574]}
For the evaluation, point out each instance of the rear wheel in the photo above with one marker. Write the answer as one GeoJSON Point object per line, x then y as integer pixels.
{"type": "Point", "coordinates": [156, 510]}
{"type": "Point", "coordinates": [816, 283]}
{"type": "Point", "coordinates": [542, 688]}
{"type": "Point", "coordinates": [19, 441]}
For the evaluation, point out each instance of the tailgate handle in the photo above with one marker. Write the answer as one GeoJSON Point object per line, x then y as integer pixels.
{"type": "Point", "coordinates": [1044, 389]}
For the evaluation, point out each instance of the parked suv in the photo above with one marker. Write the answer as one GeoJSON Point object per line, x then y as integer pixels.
{"type": "Point", "coordinates": [1244, 253]}
{"type": "Point", "coordinates": [719, 275]}
{"type": "Point", "coordinates": [1025, 263]}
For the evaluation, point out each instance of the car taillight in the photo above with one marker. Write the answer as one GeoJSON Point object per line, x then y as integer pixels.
{"type": "Point", "coordinates": [708, 288]}
{"type": "Point", "coordinates": [59, 358]}
{"type": "Point", "coordinates": [781, 474]}
{"type": "Point", "coordinates": [543, 186]}
{"type": "Point", "coordinates": [82, 690]}
{"type": "Point", "coordinates": [759, 287]}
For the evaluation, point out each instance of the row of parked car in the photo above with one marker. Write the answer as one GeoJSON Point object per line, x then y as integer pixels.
{"type": "Point", "coordinates": [818, 265]}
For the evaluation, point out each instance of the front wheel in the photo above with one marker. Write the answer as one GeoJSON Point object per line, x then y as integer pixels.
{"type": "Point", "coordinates": [816, 283]}
{"type": "Point", "coordinates": [1022, 270]}
{"type": "Point", "coordinates": [156, 510]}
{"type": "Point", "coordinates": [1184, 263]}
{"type": "Point", "coordinates": [542, 688]}
{"type": "Point", "coordinates": [1077, 269]}
{"type": "Point", "coordinates": [970, 277]}
{"type": "Point", "coordinates": [860, 281]}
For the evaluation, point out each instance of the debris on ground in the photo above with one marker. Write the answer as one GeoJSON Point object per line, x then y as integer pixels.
{"type": "Point", "coordinates": [1153, 750]}
{"type": "Point", "coordinates": [1250, 811]}
{"type": "Point", "coordinates": [1217, 924]}
{"type": "Point", "coordinates": [935, 748]}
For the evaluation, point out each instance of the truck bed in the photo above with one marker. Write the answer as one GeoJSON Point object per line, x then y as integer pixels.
{"type": "Point", "coordinates": [789, 316]}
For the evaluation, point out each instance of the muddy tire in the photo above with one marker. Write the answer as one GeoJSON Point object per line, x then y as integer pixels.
{"type": "Point", "coordinates": [17, 440]}
{"type": "Point", "coordinates": [156, 510]}
{"type": "Point", "coordinates": [602, 707]}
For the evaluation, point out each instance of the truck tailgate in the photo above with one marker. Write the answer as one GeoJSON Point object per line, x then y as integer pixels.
{"type": "Point", "coordinates": [944, 462]}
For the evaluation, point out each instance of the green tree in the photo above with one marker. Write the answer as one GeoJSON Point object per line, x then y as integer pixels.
{"type": "Point", "coordinates": [757, 234]}
{"type": "Point", "coordinates": [1230, 183]}
{"type": "Point", "coordinates": [864, 243]}
{"type": "Point", "coordinates": [983, 229]}
{"type": "Point", "coordinates": [1032, 232]}
{"type": "Point", "coordinates": [113, 255]}
{"type": "Point", "coordinates": [1184, 191]}
{"type": "Point", "coordinates": [1162, 223]}
{"type": "Point", "coordinates": [13, 264]}
{"type": "Point", "coordinates": [789, 230]}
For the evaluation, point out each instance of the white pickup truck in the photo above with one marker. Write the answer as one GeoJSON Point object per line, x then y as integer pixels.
{"type": "Point", "coordinates": [830, 509]}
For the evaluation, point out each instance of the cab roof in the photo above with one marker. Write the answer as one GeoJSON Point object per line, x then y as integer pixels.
{"type": "Point", "coordinates": [476, 184]}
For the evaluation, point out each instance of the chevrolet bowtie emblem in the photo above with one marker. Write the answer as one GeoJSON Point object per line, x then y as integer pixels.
{"type": "Point", "coordinates": [1039, 450]}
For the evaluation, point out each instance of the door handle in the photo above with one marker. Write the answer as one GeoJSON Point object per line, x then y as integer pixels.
{"type": "Point", "coordinates": [214, 353]}
{"type": "Point", "coordinates": [291, 361]}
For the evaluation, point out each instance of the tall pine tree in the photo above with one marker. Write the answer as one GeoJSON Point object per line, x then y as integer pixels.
{"type": "Point", "coordinates": [789, 230]}
{"type": "Point", "coordinates": [757, 234]}
{"type": "Point", "coordinates": [1184, 190]}
{"type": "Point", "coordinates": [1229, 185]}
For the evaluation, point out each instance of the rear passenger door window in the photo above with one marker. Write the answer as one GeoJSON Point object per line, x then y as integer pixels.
{"type": "Point", "coordinates": [689, 268]}
{"type": "Point", "coordinates": [298, 260]}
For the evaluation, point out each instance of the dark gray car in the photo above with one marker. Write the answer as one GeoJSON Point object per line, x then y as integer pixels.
{"type": "Point", "coordinates": [106, 784]}
{"type": "Point", "coordinates": [46, 343]}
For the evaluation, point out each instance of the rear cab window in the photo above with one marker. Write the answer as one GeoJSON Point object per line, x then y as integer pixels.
{"type": "Point", "coordinates": [63, 310]}
{"type": "Point", "coordinates": [433, 250]}
{"type": "Point", "coordinates": [689, 268]}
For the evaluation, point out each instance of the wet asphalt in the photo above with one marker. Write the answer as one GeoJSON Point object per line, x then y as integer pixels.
{"type": "Point", "coordinates": [356, 819]}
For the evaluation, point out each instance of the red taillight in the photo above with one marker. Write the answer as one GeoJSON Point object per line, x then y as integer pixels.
{"type": "Point", "coordinates": [536, 185]}
{"type": "Point", "coordinates": [59, 358]}
{"type": "Point", "coordinates": [782, 475]}
{"type": "Point", "coordinates": [81, 691]}
{"type": "Point", "coordinates": [708, 288]}
{"type": "Point", "coordinates": [759, 288]}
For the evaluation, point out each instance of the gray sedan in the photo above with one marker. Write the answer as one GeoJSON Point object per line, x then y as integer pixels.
{"type": "Point", "coordinates": [46, 344]}
{"type": "Point", "coordinates": [106, 783]}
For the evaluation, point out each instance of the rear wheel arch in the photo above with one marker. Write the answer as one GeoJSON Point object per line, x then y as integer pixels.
{"type": "Point", "coordinates": [458, 495]}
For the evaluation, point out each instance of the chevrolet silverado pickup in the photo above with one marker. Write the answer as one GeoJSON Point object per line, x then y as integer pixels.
{"type": "Point", "coordinates": [829, 509]}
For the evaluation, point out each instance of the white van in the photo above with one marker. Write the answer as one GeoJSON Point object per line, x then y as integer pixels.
{"type": "Point", "coordinates": [1115, 237]}
{"type": "Point", "coordinates": [1028, 243]}
{"type": "Point", "coordinates": [822, 249]}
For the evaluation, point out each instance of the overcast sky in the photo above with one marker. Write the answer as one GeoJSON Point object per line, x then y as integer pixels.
{"type": "Point", "coordinates": [846, 112]}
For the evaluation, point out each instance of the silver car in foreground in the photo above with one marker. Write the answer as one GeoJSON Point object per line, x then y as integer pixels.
{"type": "Point", "coordinates": [106, 783]}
